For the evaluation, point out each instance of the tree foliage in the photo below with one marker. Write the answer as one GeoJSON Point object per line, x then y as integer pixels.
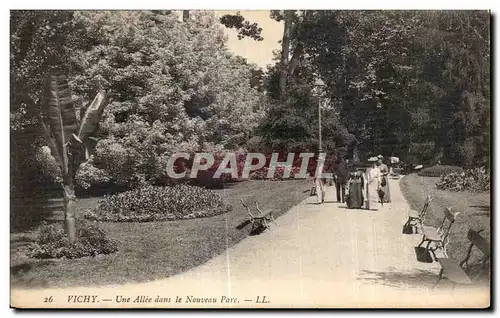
{"type": "Point", "coordinates": [414, 84]}
{"type": "Point", "coordinates": [244, 27]}
{"type": "Point", "coordinates": [174, 84]}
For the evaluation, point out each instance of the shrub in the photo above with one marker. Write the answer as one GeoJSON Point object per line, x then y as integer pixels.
{"type": "Point", "coordinates": [476, 180]}
{"type": "Point", "coordinates": [88, 175]}
{"type": "Point", "coordinates": [150, 203]}
{"type": "Point", "coordinates": [122, 165]}
{"type": "Point", "coordinates": [48, 165]}
{"type": "Point", "coordinates": [438, 171]}
{"type": "Point", "coordinates": [52, 242]}
{"type": "Point", "coordinates": [278, 174]}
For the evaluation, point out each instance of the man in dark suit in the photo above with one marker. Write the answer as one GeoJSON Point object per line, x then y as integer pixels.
{"type": "Point", "coordinates": [341, 172]}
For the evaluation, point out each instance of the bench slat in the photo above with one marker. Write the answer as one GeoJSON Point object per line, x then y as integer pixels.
{"type": "Point", "coordinates": [453, 271]}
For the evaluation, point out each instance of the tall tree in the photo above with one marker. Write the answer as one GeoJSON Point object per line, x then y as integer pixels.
{"type": "Point", "coordinates": [176, 86]}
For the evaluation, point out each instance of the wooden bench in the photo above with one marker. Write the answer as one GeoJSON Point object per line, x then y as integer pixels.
{"type": "Point", "coordinates": [455, 271]}
{"type": "Point", "coordinates": [416, 219]}
{"type": "Point", "coordinates": [439, 237]}
{"type": "Point", "coordinates": [261, 218]}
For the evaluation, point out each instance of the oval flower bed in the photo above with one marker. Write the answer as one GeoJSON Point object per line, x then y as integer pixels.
{"type": "Point", "coordinates": [158, 204]}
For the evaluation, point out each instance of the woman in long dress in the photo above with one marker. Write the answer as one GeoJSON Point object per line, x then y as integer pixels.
{"type": "Point", "coordinates": [384, 170]}
{"type": "Point", "coordinates": [373, 179]}
{"type": "Point", "coordinates": [355, 197]}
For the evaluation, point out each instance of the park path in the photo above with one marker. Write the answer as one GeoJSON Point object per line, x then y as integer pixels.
{"type": "Point", "coordinates": [318, 256]}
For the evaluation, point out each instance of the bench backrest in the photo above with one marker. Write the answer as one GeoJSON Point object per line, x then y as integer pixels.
{"type": "Point", "coordinates": [448, 220]}
{"type": "Point", "coordinates": [425, 208]}
{"type": "Point", "coordinates": [248, 208]}
{"type": "Point", "coordinates": [479, 242]}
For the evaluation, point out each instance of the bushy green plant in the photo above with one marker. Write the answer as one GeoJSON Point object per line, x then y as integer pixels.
{"type": "Point", "coordinates": [88, 175]}
{"type": "Point", "coordinates": [438, 171]}
{"type": "Point", "coordinates": [52, 242]}
{"type": "Point", "coordinates": [476, 180]}
{"type": "Point", "coordinates": [261, 174]}
{"type": "Point", "coordinates": [150, 203]}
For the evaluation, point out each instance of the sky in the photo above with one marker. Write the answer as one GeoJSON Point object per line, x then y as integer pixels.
{"type": "Point", "coordinates": [258, 52]}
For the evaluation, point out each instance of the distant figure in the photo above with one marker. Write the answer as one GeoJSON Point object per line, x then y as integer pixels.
{"type": "Point", "coordinates": [319, 184]}
{"type": "Point", "coordinates": [355, 198]}
{"type": "Point", "coordinates": [373, 179]}
{"type": "Point", "coordinates": [341, 172]}
{"type": "Point", "coordinates": [384, 170]}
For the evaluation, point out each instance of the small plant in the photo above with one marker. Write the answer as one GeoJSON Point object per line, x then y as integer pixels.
{"type": "Point", "coordinates": [150, 203]}
{"type": "Point", "coordinates": [52, 242]}
{"type": "Point", "coordinates": [476, 180]}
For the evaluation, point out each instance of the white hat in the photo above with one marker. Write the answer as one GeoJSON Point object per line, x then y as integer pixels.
{"type": "Point", "coordinates": [380, 156]}
{"type": "Point", "coordinates": [373, 159]}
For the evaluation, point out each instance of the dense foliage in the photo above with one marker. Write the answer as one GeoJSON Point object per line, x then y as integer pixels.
{"type": "Point", "coordinates": [476, 180]}
{"type": "Point", "coordinates": [174, 84]}
{"type": "Point", "coordinates": [53, 243]}
{"type": "Point", "coordinates": [414, 84]}
{"type": "Point", "coordinates": [177, 88]}
{"type": "Point", "coordinates": [151, 203]}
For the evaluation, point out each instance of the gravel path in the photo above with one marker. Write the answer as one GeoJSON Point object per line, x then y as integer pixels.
{"type": "Point", "coordinates": [318, 256]}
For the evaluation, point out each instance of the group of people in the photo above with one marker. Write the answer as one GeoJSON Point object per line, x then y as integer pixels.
{"type": "Point", "coordinates": [359, 189]}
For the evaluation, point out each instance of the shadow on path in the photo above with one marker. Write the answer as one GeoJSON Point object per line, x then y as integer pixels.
{"type": "Point", "coordinates": [416, 278]}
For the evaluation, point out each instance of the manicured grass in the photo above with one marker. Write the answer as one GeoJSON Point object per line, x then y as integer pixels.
{"type": "Point", "coordinates": [154, 250]}
{"type": "Point", "coordinates": [474, 207]}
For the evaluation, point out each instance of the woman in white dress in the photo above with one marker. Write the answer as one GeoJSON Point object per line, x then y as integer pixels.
{"type": "Point", "coordinates": [373, 179]}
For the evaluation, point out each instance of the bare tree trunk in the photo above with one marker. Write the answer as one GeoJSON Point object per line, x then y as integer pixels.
{"type": "Point", "coordinates": [285, 52]}
{"type": "Point", "coordinates": [295, 58]}
{"type": "Point", "coordinates": [70, 208]}
{"type": "Point", "coordinates": [185, 15]}
{"type": "Point", "coordinates": [74, 159]}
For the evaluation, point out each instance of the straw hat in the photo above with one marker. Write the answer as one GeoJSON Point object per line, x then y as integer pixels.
{"type": "Point", "coordinates": [373, 159]}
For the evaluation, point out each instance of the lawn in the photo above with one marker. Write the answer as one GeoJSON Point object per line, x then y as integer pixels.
{"type": "Point", "coordinates": [149, 251]}
{"type": "Point", "coordinates": [475, 211]}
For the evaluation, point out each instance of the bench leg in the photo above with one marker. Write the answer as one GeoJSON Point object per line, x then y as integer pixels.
{"type": "Point", "coordinates": [253, 225]}
{"type": "Point", "coordinates": [445, 252]}
{"type": "Point", "coordinates": [274, 221]}
{"type": "Point", "coordinates": [265, 225]}
{"type": "Point", "coordinates": [428, 249]}
{"type": "Point", "coordinates": [418, 226]}
{"type": "Point", "coordinates": [439, 278]}
{"type": "Point", "coordinates": [433, 254]}
{"type": "Point", "coordinates": [423, 240]}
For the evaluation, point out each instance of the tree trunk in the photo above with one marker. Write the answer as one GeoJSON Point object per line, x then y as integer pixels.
{"type": "Point", "coordinates": [285, 52]}
{"type": "Point", "coordinates": [294, 62]}
{"type": "Point", "coordinates": [69, 192]}
{"type": "Point", "coordinates": [185, 15]}
{"type": "Point", "coordinates": [70, 209]}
